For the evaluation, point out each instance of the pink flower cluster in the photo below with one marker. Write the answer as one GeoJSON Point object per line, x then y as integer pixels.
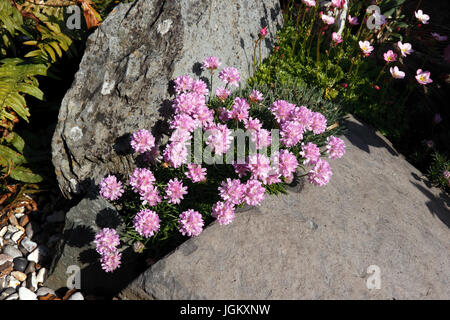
{"type": "Point", "coordinates": [191, 223]}
{"type": "Point", "coordinates": [110, 188]}
{"type": "Point", "coordinates": [146, 223]}
{"type": "Point", "coordinates": [142, 141]}
{"type": "Point", "coordinates": [106, 241]}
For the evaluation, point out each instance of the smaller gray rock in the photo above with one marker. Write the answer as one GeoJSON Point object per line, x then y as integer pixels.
{"type": "Point", "coordinates": [32, 283]}
{"type": "Point", "coordinates": [20, 264]}
{"type": "Point", "coordinates": [14, 296]}
{"type": "Point", "coordinates": [12, 251]}
{"type": "Point", "coordinates": [26, 294]}
{"type": "Point", "coordinates": [12, 229]}
{"type": "Point", "coordinates": [30, 230]}
{"type": "Point", "coordinates": [30, 268]}
{"type": "Point", "coordinates": [6, 293]}
{"type": "Point", "coordinates": [20, 276]}
{"type": "Point", "coordinates": [76, 296]}
{"type": "Point", "coordinates": [43, 291]}
{"type": "Point", "coordinates": [5, 258]}
{"type": "Point", "coordinates": [28, 244]}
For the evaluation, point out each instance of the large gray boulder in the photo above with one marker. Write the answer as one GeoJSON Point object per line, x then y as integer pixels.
{"type": "Point", "coordinates": [123, 80]}
{"type": "Point", "coordinates": [321, 243]}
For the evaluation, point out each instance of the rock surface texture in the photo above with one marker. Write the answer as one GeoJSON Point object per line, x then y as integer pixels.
{"type": "Point", "coordinates": [320, 243]}
{"type": "Point", "coordinates": [123, 80]}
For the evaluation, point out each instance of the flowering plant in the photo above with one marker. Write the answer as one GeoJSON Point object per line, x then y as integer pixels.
{"type": "Point", "coordinates": [177, 192]}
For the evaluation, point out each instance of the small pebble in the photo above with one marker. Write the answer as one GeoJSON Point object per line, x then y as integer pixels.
{"type": "Point", "coordinates": [3, 283]}
{"type": "Point", "coordinates": [29, 229]}
{"type": "Point", "coordinates": [19, 216]}
{"type": "Point", "coordinates": [12, 251]}
{"type": "Point", "coordinates": [19, 275]}
{"type": "Point", "coordinates": [5, 258]}
{"type": "Point", "coordinates": [32, 283]}
{"type": "Point", "coordinates": [13, 282]}
{"type": "Point", "coordinates": [26, 294]}
{"type": "Point", "coordinates": [20, 264]}
{"type": "Point", "coordinates": [28, 244]}
{"type": "Point", "coordinates": [8, 235]}
{"type": "Point", "coordinates": [24, 221]}
{"type": "Point", "coordinates": [40, 278]}
{"type": "Point", "coordinates": [6, 293]}
{"type": "Point", "coordinates": [43, 291]}
{"type": "Point", "coordinates": [34, 256]}
{"type": "Point", "coordinates": [12, 229]}
{"type": "Point", "coordinates": [30, 268]}
{"type": "Point", "coordinates": [20, 210]}
{"type": "Point", "coordinates": [3, 231]}
{"type": "Point", "coordinates": [16, 236]}
{"type": "Point", "coordinates": [14, 296]}
{"type": "Point", "coordinates": [76, 296]}
{"type": "Point", "coordinates": [13, 220]}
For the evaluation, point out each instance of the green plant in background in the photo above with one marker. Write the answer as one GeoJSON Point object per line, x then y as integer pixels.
{"type": "Point", "coordinates": [439, 171]}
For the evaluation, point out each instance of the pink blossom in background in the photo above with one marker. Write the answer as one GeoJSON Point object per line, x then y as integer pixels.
{"type": "Point", "coordinates": [259, 166]}
{"type": "Point", "coordinates": [141, 180]}
{"type": "Point", "coordinates": [200, 87]}
{"type": "Point", "coordinates": [438, 37]}
{"type": "Point", "coordinates": [254, 192]}
{"type": "Point", "coordinates": [223, 212]}
{"type": "Point", "coordinates": [252, 124]}
{"type": "Point", "coordinates": [318, 123]}
{"type": "Point", "coordinates": [222, 93]}
{"type": "Point", "coordinates": [311, 153]}
{"type": "Point", "coordinates": [111, 261]}
{"type": "Point", "coordinates": [146, 223]}
{"type": "Point", "coordinates": [263, 32]}
{"type": "Point", "coordinates": [396, 73]}
{"type": "Point", "coordinates": [390, 56]}
{"type": "Point", "coordinates": [261, 138]}
{"type": "Point", "coordinates": [423, 77]}
{"type": "Point", "coordinates": [196, 173]}
{"type": "Point", "coordinates": [309, 3]}
{"type": "Point", "coordinates": [231, 190]}
{"type": "Point", "coordinates": [191, 223]}
{"type": "Point", "coordinates": [327, 19]}
{"type": "Point", "coordinates": [106, 240]}
{"type": "Point", "coordinates": [150, 196]}
{"type": "Point", "coordinates": [220, 138]}
{"type": "Point", "coordinates": [240, 109]}
{"type": "Point", "coordinates": [338, 3]}
{"type": "Point", "coordinates": [142, 141]}
{"type": "Point", "coordinates": [256, 96]}
{"type": "Point", "coordinates": [111, 188]}
{"type": "Point", "coordinates": [273, 178]}
{"type": "Point", "coordinates": [211, 63]}
{"type": "Point", "coordinates": [183, 84]}
{"type": "Point", "coordinates": [231, 76]}
{"type": "Point", "coordinates": [335, 147]}
{"type": "Point", "coordinates": [175, 191]}
{"type": "Point", "coordinates": [321, 174]}
{"type": "Point", "coordinates": [365, 47]}
{"type": "Point", "coordinates": [405, 48]}
{"type": "Point", "coordinates": [353, 20]}
{"type": "Point", "coordinates": [291, 133]}
{"type": "Point", "coordinates": [336, 38]}
{"type": "Point", "coordinates": [422, 17]}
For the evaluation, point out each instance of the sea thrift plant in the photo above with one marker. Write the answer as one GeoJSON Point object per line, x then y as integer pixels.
{"type": "Point", "coordinates": [174, 195]}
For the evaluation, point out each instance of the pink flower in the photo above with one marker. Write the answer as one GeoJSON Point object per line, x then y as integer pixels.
{"type": "Point", "coordinates": [111, 188]}
{"type": "Point", "coordinates": [223, 212]}
{"type": "Point", "coordinates": [438, 37]}
{"type": "Point", "coordinates": [422, 17]}
{"type": "Point", "coordinates": [261, 138]}
{"type": "Point", "coordinates": [200, 87]}
{"type": "Point", "coordinates": [196, 173]}
{"type": "Point", "coordinates": [263, 32]}
{"type": "Point", "coordinates": [287, 163]}
{"type": "Point", "coordinates": [309, 3]}
{"type": "Point", "coordinates": [240, 109]}
{"type": "Point", "coordinates": [241, 169]}
{"type": "Point", "coordinates": [232, 191]}
{"type": "Point", "coordinates": [222, 93]}
{"type": "Point", "coordinates": [111, 261]}
{"type": "Point", "coordinates": [189, 102]}
{"type": "Point", "coordinates": [353, 20]}
{"type": "Point", "coordinates": [141, 180]}
{"type": "Point", "coordinates": [183, 84]}
{"type": "Point", "coordinates": [338, 3]}
{"type": "Point", "coordinates": [291, 133]}
{"type": "Point", "coordinates": [142, 141]}
{"type": "Point", "coordinates": [396, 73]}
{"type": "Point", "coordinates": [311, 153]}
{"type": "Point", "coordinates": [146, 223]}
{"type": "Point", "coordinates": [259, 166]}
{"type": "Point", "coordinates": [365, 47]}
{"type": "Point", "coordinates": [423, 77]}
{"type": "Point", "coordinates": [225, 114]}
{"type": "Point", "coordinates": [405, 48]}
{"type": "Point", "coordinates": [230, 76]}
{"type": "Point", "coordinates": [150, 196]}
{"type": "Point", "coordinates": [335, 147]}
{"type": "Point", "coordinates": [252, 124]}
{"type": "Point", "coordinates": [204, 116]}
{"type": "Point", "coordinates": [390, 56]}
{"type": "Point", "coordinates": [254, 192]}
{"type": "Point", "coordinates": [106, 240]}
{"type": "Point", "coordinates": [303, 116]}
{"type": "Point", "coordinates": [211, 63]}
{"type": "Point", "coordinates": [175, 154]}
{"type": "Point", "coordinates": [191, 223]}
{"type": "Point", "coordinates": [281, 110]}
{"type": "Point", "coordinates": [219, 139]}
{"type": "Point", "coordinates": [336, 38]}
{"type": "Point", "coordinates": [256, 96]}
{"type": "Point", "coordinates": [185, 122]}
{"type": "Point", "coordinates": [321, 174]}
{"type": "Point", "coordinates": [175, 191]}
{"type": "Point", "coordinates": [446, 175]}
{"type": "Point", "coordinates": [327, 19]}
{"type": "Point", "coordinates": [318, 123]}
